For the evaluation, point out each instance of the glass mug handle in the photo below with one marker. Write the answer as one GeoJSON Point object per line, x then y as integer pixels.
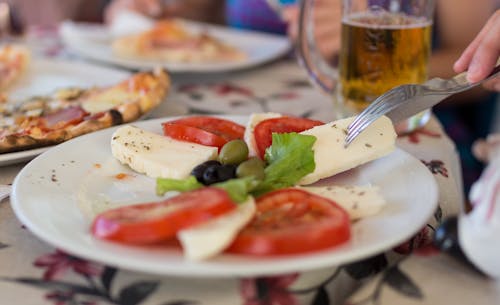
{"type": "Point", "coordinates": [309, 56]}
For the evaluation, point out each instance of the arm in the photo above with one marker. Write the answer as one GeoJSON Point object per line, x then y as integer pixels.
{"type": "Point", "coordinates": [327, 31]}
{"type": "Point", "coordinates": [202, 10]}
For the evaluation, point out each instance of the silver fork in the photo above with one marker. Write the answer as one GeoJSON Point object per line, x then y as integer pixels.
{"type": "Point", "coordinates": [404, 101]}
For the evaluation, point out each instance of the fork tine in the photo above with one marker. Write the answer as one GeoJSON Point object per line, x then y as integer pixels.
{"type": "Point", "coordinates": [376, 103]}
{"type": "Point", "coordinates": [368, 115]}
{"type": "Point", "coordinates": [375, 107]}
{"type": "Point", "coordinates": [353, 133]}
{"type": "Point", "coordinates": [379, 107]}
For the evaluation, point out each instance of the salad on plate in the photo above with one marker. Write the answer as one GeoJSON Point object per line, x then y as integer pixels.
{"type": "Point", "coordinates": [249, 190]}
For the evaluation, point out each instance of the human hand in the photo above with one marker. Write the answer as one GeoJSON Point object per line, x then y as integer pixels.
{"type": "Point", "coordinates": [481, 56]}
{"type": "Point", "coordinates": [327, 14]}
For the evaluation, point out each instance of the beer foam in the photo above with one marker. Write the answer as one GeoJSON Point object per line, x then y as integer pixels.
{"type": "Point", "coordinates": [385, 20]}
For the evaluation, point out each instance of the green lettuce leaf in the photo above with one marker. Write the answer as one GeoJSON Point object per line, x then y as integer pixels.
{"type": "Point", "coordinates": [164, 185]}
{"type": "Point", "coordinates": [290, 158]}
{"type": "Point", "coordinates": [238, 189]}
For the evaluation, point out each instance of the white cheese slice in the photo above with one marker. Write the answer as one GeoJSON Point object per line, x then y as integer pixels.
{"type": "Point", "coordinates": [358, 201]}
{"type": "Point", "coordinates": [157, 155]}
{"type": "Point", "coordinates": [256, 118]}
{"type": "Point", "coordinates": [214, 236]}
{"type": "Point", "coordinates": [330, 155]}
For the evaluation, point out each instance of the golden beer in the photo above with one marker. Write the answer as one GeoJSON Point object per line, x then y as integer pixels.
{"type": "Point", "coordinates": [378, 52]}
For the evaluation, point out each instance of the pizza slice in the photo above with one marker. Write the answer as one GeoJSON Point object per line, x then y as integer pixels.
{"type": "Point", "coordinates": [14, 60]}
{"type": "Point", "coordinates": [71, 112]}
{"type": "Point", "coordinates": [170, 40]}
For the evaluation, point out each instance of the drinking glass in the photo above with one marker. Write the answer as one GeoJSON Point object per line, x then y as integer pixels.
{"type": "Point", "coordinates": [383, 44]}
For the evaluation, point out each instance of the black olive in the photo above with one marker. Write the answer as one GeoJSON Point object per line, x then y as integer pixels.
{"type": "Point", "coordinates": [211, 175]}
{"type": "Point", "coordinates": [218, 173]}
{"type": "Point", "coordinates": [200, 169]}
{"type": "Point", "coordinates": [226, 172]}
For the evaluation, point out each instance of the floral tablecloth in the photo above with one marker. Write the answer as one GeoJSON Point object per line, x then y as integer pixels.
{"type": "Point", "coordinates": [33, 272]}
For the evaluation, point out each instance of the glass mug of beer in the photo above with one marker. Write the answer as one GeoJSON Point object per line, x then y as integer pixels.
{"type": "Point", "coordinates": [383, 44]}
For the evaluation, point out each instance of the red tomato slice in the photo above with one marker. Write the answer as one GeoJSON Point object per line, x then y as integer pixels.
{"type": "Point", "coordinates": [204, 130]}
{"type": "Point", "coordinates": [263, 131]}
{"type": "Point", "coordinates": [290, 221]}
{"type": "Point", "coordinates": [158, 221]}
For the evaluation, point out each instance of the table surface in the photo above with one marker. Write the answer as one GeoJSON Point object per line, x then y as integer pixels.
{"type": "Point", "coordinates": [33, 272]}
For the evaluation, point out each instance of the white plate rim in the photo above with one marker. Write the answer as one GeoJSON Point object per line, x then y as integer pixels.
{"type": "Point", "coordinates": [251, 267]}
{"type": "Point", "coordinates": [20, 156]}
{"type": "Point", "coordinates": [281, 44]}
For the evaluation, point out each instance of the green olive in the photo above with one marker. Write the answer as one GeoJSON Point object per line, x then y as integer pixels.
{"type": "Point", "coordinates": [233, 152]}
{"type": "Point", "coordinates": [251, 167]}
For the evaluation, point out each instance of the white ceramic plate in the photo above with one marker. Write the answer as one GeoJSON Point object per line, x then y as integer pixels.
{"type": "Point", "coordinates": [47, 191]}
{"type": "Point", "coordinates": [45, 76]}
{"type": "Point", "coordinates": [91, 41]}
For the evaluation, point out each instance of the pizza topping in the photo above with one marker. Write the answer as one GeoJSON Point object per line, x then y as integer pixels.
{"type": "Point", "coordinates": [69, 93]}
{"type": "Point", "coordinates": [172, 40]}
{"type": "Point", "coordinates": [67, 116]}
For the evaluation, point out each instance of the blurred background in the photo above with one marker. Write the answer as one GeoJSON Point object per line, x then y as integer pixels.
{"type": "Point", "coordinates": [465, 117]}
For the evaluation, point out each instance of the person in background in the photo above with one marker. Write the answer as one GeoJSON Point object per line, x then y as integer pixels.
{"type": "Point", "coordinates": [48, 13]}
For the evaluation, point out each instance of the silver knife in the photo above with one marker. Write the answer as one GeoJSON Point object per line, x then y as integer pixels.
{"type": "Point", "coordinates": [402, 102]}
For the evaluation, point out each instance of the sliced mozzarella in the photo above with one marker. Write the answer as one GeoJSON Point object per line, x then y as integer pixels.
{"type": "Point", "coordinates": [330, 155]}
{"type": "Point", "coordinates": [214, 236]}
{"type": "Point", "coordinates": [157, 155]}
{"type": "Point", "coordinates": [358, 201]}
{"type": "Point", "coordinates": [249, 137]}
